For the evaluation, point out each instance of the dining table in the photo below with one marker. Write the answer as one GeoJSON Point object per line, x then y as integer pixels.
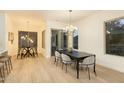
{"type": "Point", "coordinates": [26, 52]}
{"type": "Point", "coordinates": [77, 56]}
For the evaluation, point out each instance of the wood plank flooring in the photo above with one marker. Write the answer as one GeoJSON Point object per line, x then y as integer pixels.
{"type": "Point", "coordinates": [42, 70]}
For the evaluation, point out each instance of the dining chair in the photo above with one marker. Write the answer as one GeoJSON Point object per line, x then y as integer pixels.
{"type": "Point", "coordinates": [57, 57]}
{"type": "Point", "coordinates": [2, 74]}
{"type": "Point", "coordinates": [9, 61]}
{"type": "Point", "coordinates": [24, 53]}
{"type": "Point", "coordinates": [18, 53]}
{"type": "Point", "coordinates": [89, 62]}
{"type": "Point", "coordinates": [21, 52]}
{"type": "Point", "coordinates": [66, 60]}
{"type": "Point", "coordinates": [6, 60]}
{"type": "Point", "coordinates": [35, 53]}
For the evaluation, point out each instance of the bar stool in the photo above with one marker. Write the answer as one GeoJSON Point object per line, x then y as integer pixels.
{"type": "Point", "coordinates": [2, 74]}
{"type": "Point", "coordinates": [9, 61]}
{"type": "Point", "coordinates": [5, 61]}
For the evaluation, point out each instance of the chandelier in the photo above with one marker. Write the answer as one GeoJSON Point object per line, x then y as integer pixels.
{"type": "Point", "coordinates": [70, 28]}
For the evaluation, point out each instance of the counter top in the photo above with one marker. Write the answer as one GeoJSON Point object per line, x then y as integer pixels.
{"type": "Point", "coordinates": [2, 51]}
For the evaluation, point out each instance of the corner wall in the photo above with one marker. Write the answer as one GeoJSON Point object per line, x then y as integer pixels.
{"type": "Point", "coordinates": [16, 22]}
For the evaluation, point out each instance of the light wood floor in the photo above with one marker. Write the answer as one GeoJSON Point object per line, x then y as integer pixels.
{"type": "Point", "coordinates": [42, 70]}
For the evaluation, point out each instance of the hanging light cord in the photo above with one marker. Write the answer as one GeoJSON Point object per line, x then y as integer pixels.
{"type": "Point", "coordinates": [70, 11]}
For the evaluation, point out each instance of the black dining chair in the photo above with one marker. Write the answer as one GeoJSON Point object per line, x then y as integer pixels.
{"type": "Point", "coordinates": [89, 62]}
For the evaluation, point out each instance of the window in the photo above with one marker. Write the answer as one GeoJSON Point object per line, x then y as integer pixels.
{"type": "Point", "coordinates": [115, 36]}
{"type": "Point", "coordinates": [75, 40]}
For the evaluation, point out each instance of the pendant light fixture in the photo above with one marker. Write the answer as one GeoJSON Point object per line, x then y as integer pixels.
{"type": "Point", "coordinates": [70, 28]}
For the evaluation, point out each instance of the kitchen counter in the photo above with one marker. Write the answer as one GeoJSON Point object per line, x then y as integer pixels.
{"type": "Point", "coordinates": [3, 52]}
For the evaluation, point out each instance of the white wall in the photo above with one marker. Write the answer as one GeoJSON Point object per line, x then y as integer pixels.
{"type": "Point", "coordinates": [2, 32]}
{"type": "Point", "coordinates": [51, 25]}
{"type": "Point", "coordinates": [92, 39]}
{"type": "Point", "coordinates": [18, 22]}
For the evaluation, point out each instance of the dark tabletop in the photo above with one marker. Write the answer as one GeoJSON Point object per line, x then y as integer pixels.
{"type": "Point", "coordinates": [76, 54]}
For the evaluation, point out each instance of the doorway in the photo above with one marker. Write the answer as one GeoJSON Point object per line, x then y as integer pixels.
{"type": "Point", "coordinates": [58, 40]}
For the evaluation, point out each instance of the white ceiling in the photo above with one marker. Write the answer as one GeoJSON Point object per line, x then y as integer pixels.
{"type": "Point", "coordinates": [63, 15]}
{"type": "Point", "coordinates": [57, 15]}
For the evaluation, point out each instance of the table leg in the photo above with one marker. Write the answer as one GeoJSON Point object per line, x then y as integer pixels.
{"type": "Point", "coordinates": [77, 69]}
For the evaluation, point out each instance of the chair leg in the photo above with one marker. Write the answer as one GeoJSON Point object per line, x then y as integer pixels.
{"type": "Point", "coordinates": [18, 55]}
{"type": "Point", "coordinates": [36, 53]}
{"type": "Point", "coordinates": [95, 70]}
{"type": "Point", "coordinates": [95, 73]}
{"type": "Point", "coordinates": [62, 65]}
{"type": "Point", "coordinates": [81, 67]}
{"type": "Point", "coordinates": [55, 61]}
{"type": "Point", "coordinates": [21, 56]}
{"type": "Point", "coordinates": [88, 72]}
{"type": "Point", "coordinates": [7, 68]}
{"type": "Point", "coordinates": [10, 63]}
{"type": "Point", "coordinates": [66, 68]}
{"type": "Point", "coordinates": [2, 74]}
{"type": "Point", "coordinates": [75, 65]}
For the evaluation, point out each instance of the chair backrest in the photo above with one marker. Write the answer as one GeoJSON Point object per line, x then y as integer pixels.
{"type": "Point", "coordinates": [23, 50]}
{"type": "Point", "coordinates": [57, 54]}
{"type": "Point", "coordinates": [35, 49]}
{"type": "Point", "coordinates": [20, 50]}
{"type": "Point", "coordinates": [89, 60]}
{"type": "Point", "coordinates": [65, 57]}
